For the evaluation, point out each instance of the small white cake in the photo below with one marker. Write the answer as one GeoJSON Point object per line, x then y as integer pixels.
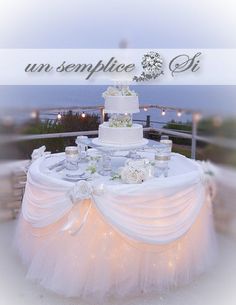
{"type": "Point", "coordinates": [121, 103]}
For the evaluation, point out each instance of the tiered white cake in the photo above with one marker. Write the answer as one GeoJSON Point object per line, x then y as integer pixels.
{"type": "Point", "coordinates": [120, 103]}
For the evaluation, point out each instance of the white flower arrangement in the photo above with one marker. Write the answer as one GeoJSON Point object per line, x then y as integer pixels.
{"type": "Point", "coordinates": [120, 120]}
{"type": "Point", "coordinates": [118, 91]}
{"type": "Point", "coordinates": [134, 171]}
{"type": "Point", "coordinates": [133, 175]}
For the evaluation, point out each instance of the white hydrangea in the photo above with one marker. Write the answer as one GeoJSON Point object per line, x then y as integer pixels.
{"type": "Point", "coordinates": [127, 92]}
{"type": "Point", "coordinates": [111, 91]}
{"type": "Point", "coordinates": [133, 175]}
{"type": "Point", "coordinates": [118, 91]}
{"type": "Point", "coordinates": [120, 120]}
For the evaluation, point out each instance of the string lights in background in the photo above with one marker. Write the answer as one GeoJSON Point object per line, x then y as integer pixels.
{"type": "Point", "coordinates": [34, 114]}
{"type": "Point", "coordinates": [197, 116]}
{"type": "Point", "coordinates": [164, 110]}
{"type": "Point", "coordinates": [59, 115]}
{"type": "Point", "coordinates": [179, 113]}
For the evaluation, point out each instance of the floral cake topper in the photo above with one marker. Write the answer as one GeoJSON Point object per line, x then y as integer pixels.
{"type": "Point", "coordinates": [121, 90]}
{"type": "Point", "coordinates": [152, 67]}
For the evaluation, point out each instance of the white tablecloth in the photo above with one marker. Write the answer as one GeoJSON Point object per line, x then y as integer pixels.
{"type": "Point", "coordinates": [101, 237]}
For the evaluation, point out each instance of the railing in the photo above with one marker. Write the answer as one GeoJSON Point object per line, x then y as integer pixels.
{"type": "Point", "coordinates": [222, 142]}
{"type": "Point", "coordinates": [20, 138]}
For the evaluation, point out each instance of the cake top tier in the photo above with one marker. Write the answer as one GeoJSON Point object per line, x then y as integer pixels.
{"type": "Point", "coordinates": [120, 99]}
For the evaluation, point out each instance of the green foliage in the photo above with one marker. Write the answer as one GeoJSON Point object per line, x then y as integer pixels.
{"type": "Point", "coordinates": [179, 126]}
{"type": "Point", "coordinates": [75, 122]}
{"type": "Point", "coordinates": [219, 128]}
{"type": "Point", "coordinates": [183, 150]}
{"type": "Point", "coordinates": [214, 127]}
{"type": "Point", "coordinates": [211, 126]}
{"type": "Point", "coordinates": [69, 123]}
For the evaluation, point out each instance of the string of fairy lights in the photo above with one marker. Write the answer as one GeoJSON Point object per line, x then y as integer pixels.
{"type": "Point", "coordinates": [84, 111]}
{"type": "Point", "coordinates": [163, 111]}
{"type": "Point", "coordinates": [59, 115]}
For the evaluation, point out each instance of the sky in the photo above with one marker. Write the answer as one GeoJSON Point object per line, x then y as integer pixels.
{"type": "Point", "coordinates": [105, 24]}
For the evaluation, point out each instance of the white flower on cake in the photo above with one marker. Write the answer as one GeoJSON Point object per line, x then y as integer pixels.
{"type": "Point", "coordinates": [120, 120]}
{"type": "Point", "coordinates": [118, 91]}
{"type": "Point", "coordinates": [133, 175]}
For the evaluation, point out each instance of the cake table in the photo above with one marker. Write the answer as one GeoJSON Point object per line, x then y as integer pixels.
{"type": "Point", "coordinates": [99, 238]}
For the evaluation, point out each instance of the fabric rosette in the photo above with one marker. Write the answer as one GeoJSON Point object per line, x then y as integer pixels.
{"type": "Point", "coordinates": [84, 190]}
{"type": "Point", "coordinates": [80, 191]}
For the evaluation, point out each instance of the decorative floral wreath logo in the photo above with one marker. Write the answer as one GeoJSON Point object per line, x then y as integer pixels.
{"type": "Point", "coordinates": [152, 67]}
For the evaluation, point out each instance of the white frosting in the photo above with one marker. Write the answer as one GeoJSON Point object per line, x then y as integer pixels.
{"type": "Point", "coordinates": [120, 135]}
{"type": "Point", "coordinates": [121, 104]}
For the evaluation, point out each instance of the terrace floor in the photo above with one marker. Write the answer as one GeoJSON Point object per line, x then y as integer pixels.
{"type": "Point", "coordinates": [217, 287]}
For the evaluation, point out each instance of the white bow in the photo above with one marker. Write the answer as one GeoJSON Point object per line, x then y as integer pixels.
{"type": "Point", "coordinates": [81, 191]}
{"type": "Point", "coordinates": [37, 153]}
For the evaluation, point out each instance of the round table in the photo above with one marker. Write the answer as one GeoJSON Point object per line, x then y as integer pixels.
{"type": "Point", "coordinates": [100, 238]}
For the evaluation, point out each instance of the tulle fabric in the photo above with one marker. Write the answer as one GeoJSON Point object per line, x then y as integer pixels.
{"type": "Point", "coordinates": [99, 262]}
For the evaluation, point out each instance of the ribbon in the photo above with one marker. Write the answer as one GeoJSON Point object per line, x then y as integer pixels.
{"type": "Point", "coordinates": [79, 194]}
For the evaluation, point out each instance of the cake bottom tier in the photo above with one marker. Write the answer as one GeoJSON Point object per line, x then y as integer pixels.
{"type": "Point", "coordinates": [120, 135]}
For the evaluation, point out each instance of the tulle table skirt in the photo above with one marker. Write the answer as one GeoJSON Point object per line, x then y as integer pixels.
{"type": "Point", "coordinates": [99, 261]}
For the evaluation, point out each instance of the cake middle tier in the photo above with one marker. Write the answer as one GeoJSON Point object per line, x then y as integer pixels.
{"type": "Point", "coordinates": [120, 135]}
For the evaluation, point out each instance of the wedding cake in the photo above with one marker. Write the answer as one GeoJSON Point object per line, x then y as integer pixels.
{"type": "Point", "coordinates": [119, 131]}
